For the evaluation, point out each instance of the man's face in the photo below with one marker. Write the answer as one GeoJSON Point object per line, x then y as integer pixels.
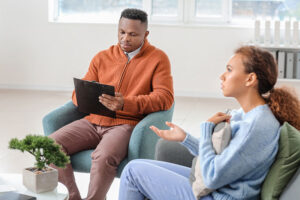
{"type": "Point", "coordinates": [131, 34]}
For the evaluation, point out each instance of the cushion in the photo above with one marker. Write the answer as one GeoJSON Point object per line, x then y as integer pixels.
{"type": "Point", "coordinates": [220, 139]}
{"type": "Point", "coordinates": [285, 165]}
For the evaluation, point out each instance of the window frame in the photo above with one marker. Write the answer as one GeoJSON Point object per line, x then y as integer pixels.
{"type": "Point", "coordinates": [53, 11]}
{"type": "Point", "coordinates": [186, 16]}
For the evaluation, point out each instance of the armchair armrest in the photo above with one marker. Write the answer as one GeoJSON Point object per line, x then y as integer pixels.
{"type": "Point", "coordinates": [143, 139]}
{"type": "Point", "coordinates": [173, 152]}
{"type": "Point", "coordinates": [61, 117]}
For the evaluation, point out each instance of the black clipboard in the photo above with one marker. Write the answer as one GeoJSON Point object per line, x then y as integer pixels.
{"type": "Point", "coordinates": [87, 95]}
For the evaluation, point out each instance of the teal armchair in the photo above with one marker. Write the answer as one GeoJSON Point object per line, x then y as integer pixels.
{"type": "Point", "coordinates": [141, 145]}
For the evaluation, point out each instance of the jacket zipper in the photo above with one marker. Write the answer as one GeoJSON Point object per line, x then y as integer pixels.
{"type": "Point", "coordinates": [122, 75]}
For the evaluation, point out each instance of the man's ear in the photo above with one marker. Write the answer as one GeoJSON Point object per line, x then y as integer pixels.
{"type": "Point", "coordinates": [146, 34]}
{"type": "Point", "coordinates": [251, 79]}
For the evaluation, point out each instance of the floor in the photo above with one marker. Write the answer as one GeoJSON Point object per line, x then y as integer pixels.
{"type": "Point", "coordinates": [21, 113]}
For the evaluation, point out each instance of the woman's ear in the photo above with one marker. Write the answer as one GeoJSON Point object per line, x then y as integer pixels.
{"type": "Point", "coordinates": [251, 79]}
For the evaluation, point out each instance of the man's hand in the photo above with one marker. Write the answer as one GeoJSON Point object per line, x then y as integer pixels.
{"type": "Point", "coordinates": [174, 134]}
{"type": "Point", "coordinates": [113, 103]}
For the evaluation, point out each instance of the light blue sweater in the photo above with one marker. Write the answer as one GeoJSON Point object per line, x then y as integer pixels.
{"type": "Point", "coordinates": [238, 172]}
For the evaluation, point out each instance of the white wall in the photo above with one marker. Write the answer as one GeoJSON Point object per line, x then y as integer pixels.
{"type": "Point", "coordinates": [36, 54]}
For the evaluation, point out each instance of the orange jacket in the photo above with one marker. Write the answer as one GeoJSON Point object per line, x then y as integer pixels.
{"type": "Point", "coordinates": [145, 82]}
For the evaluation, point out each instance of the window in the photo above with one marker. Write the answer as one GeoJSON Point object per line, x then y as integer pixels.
{"type": "Point", "coordinates": [207, 8]}
{"type": "Point", "coordinates": [266, 9]}
{"type": "Point", "coordinates": [170, 11]}
{"type": "Point", "coordinates": [210, 11]}
{"type": "Point", "coordinates": [105, 7]}
{"type": "Point", "coordinates": [92, 10]}
{"type": "Point", "coordinates": [164, 8]}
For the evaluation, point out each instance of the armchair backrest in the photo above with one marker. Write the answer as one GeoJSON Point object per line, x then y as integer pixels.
{"type": "Point", "coordinates": [292, 189]}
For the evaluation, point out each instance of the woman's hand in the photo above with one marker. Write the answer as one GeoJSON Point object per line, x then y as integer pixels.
{"type": "Point", "coordinates": [219, 117]}
{"type": "Point", "coordinates": [174, 134]}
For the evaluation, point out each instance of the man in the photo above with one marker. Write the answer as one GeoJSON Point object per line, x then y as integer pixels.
{"type": "Point", "coordinates": [142, 79]}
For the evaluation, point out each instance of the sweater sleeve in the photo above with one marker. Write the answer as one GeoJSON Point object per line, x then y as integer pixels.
{"type": "Point", "coordinates": [230, 165]}
{"type": "Point", "coordinates": [191, 143]}
{"type": "Point", "coordinates": [91, 75]}
{"type": "Point", "coordinates": [160, 98]}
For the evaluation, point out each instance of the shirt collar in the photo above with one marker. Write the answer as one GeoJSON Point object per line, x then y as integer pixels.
{"type": "Point", "coordinates": [133, 53]}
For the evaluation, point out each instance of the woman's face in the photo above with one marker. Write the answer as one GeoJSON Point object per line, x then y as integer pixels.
{"type": "Point", "coordinates": [234, 78]}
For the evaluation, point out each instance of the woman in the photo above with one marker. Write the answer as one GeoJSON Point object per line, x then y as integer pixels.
{"type": "Point", "coordinates": [238, 172]}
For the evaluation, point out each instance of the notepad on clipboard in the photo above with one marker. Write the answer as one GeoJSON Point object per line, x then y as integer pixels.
{"type": "Point", "coordinates": [87, 95]}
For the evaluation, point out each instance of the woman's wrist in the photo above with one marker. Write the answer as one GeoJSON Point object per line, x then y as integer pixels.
{"type": "Point", "coordinates": [184, 135]}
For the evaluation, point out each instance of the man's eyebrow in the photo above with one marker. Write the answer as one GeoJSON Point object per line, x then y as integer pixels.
{"type": "Point", "coordinates": [132, 32]}
{"type": "Point", "coordinates": [125, 31]}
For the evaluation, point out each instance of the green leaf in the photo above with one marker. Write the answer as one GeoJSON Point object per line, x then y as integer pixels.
{"type": "Point", "coordinates": [43, 148]}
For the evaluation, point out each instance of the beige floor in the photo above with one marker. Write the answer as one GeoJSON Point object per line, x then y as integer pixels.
{"type": "Point", "coordinates": [21, 113]}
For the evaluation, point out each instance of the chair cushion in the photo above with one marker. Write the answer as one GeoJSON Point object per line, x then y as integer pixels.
{"type": "Point", "coordinates": [285, 165]}
{"type": "Point", "coordinates": [220, 139]}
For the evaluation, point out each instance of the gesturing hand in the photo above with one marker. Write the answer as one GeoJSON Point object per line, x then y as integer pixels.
{"type": "Point", "coordinates": [219, 117]}
{"type": "Point", "coordinates": [113, 103]}
{"type": "Point", "coordinates": [174, 134]}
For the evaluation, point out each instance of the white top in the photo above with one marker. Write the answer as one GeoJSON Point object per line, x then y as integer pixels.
{"type": "Point", "coordinates": [133, 53]}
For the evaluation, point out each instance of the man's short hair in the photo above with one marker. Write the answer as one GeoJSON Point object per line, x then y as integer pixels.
{"type": "Point", "coordinates": [133, 13]}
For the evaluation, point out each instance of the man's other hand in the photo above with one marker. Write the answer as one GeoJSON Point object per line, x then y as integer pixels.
{"type": "Point", "coordinates": [113, 103]}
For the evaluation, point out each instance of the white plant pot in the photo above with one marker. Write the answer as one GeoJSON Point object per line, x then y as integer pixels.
{"type": "Point", "coordinates": [40, 182]}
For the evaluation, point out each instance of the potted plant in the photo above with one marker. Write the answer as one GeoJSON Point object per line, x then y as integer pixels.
{"type": "Point", "coordinates": [41, 178]}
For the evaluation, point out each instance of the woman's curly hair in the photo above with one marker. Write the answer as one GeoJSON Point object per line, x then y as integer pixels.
{"type": "Point", "coordinates": [283, 102]}
{"type": "Point", "coordinates": [285, 106]}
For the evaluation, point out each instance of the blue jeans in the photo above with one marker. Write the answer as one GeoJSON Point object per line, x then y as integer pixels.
{"type": "Point", "coordinates": [156, 180]}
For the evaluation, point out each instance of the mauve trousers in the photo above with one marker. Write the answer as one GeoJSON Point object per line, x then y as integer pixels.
{"type": "Point", "coordinates": [111, 146]}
